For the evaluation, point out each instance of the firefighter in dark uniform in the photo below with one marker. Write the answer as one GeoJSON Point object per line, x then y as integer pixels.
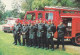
{"type": "Point", "coordinates": [36, 28]}
{"type": "Point", "coordinates": [61, 32]}
{"type": "Point", "coordinates": [44, 34]}
{"type": "Point", "coordinates": [24, 33]}
{"type": "Point", "coordinates": [31, 34]}
{"type": "Point", "coordinates": [14, 34]}
{"type": "Point", "coordinates": [39, 34]}
{"type": "Point", "coordinates": [27, 42]}
{"type": "Point", "coordinates": [51, 29]}
{"type": "Point", "coordinates": [17, 33]}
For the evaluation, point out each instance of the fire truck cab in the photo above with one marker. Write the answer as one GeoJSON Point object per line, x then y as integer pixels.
{"type": "Point", "coordinates": [70, 17]}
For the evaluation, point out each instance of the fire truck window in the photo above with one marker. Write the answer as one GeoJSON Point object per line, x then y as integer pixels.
{"type": "Point", "coordinates": [68, 12]}
{"type": "Point", "coordinates": [39, 15]}
{"type": "Point", "coordinates": [49, 16]}
{"type": "Point", "coordinates": [31, 16]}
{"type": "Point", "coordinates": [68, 23]}
{"type": "Point", "coordinates": [11, 22]}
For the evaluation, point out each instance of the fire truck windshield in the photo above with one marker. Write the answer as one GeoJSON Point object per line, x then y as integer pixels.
{"type": "Point", "coordinates": [31, 16]}
{"type": "Point", "coordinates": [49, 16]}
{"type": "Point", "coordinates": [11, 22]}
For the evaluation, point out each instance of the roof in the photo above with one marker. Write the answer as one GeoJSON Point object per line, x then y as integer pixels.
{"type": "Point", "coordinates": [62, 8]}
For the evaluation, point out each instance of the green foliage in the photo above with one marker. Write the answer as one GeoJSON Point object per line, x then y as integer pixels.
{"type": "Point", "coordinates": [54, 2]}
{"type": "Point", "coordinates": [67, 3]}
{"type": "Point", "coordinates": [21, 15]}
{"type": "Point", "coordinates": [14, 13]}
{"type": "Point", "coordinates": [40, 4]}
{"type": "Point", "coordinates": [1, 13]}
{"type": "Point", "coordinates": [27, 5]}
{"type": "Point", "coordinates": [29, 17]}
{"type": "Point", "coordinates": [16, 8]}
{"type": "Point", "coordinates": [78, 3]}
{"type": "Point", "coordinates": [2, 6]}
{"type": "Point", "coordinates": [24, 6]}
{"type": "Point", "coordinates": [7, 14]}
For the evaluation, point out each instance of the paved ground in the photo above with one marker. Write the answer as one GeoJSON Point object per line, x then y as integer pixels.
{"type": "Point", "coordinates": [72, 49]}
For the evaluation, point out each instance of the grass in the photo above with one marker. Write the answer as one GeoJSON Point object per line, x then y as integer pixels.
{"type": "Point", "coordinates": [7, 48]}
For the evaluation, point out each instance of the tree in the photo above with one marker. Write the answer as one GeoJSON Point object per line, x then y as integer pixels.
{"type": "Point", "coordinates": [78, 3]}
{"type": "Point", "coordinates": [27, 5]}
{"type": "Point", "coordinates": [2, 10]}
{"type": "Point", "coordinates": [40, 4]}
{"type": "Point", "coordinates": [2, 6]}
{"type": "Point", "coordinates": [21, 15]}
{"type": "Point", "coordinates": [1, 13]}
{"type": "Point", "coordinates": [7, 13]}
{"type": "Point", "coordinates": [16, 8]}
{"type": "Point", "coordinates": [68, 3]}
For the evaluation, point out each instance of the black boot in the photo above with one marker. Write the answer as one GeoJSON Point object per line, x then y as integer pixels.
{"type": "Point", "coordinates": [57, 47]}
{"type": "Point", "coordinates": [63, 49]}
{"type": "Point", "coordinates": [52, 49]}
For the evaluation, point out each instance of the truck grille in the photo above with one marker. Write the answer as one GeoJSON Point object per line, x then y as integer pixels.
{"type": "Point", "coordinates": [7, 28]}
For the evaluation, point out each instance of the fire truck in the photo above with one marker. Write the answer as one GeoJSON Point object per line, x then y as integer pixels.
{"type": "Point", "coordinates": [70, 17]}
{"type": "Point", "coordinates": [8, 27]}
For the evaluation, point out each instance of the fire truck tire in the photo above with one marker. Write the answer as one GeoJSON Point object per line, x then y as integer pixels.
{"type": "Point", "coordinates": [5, 31]}
{"type": "Point", "coordinates": [76, 40]}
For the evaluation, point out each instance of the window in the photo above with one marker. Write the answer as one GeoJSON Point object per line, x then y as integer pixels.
{"type": "Point", "coordinates": [49, 16]}
{"type": "Point", "coordinates": [68, 12]}
{"type": "Point", "coordinates": [11, 22]}
{"type": "Point", "coordinates": [31, 16]}
{"type": "Point", "coordinates": [39, 15]}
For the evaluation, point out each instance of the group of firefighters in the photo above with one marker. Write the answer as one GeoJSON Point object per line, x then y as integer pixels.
{"type": "Point", "coordinates": [38, 34]}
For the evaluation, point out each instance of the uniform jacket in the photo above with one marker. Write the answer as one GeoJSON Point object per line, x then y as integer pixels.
{"type": "Point", "coordinates": [24, 31]}
{"type": "Point", "coordinates": [31, 32]}
{"type": "Point", "coordinates": [40, 30]}
{"type": "Point", "coordinates": [16, 30]}
{"type": "Point", "coordinates": [51, 29]}
{"type": "Point", "coordinates": [61, 30]}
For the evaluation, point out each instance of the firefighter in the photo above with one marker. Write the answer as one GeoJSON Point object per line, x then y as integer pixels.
{"type": "Point", "coordinates": [39, 33]}
{"type": "Point", "coordinates": [24, 33]}
{"type": "Point", "coordinates": [14, 33]}
{"type": "Point", "coordinates": [31, 34]}
{"type": "Point", "coordinates": [61, 31]}
{"type": "Point", "coordinates": [36, 28]}
{"type": "Point", "coordinates": [17, 33]}
{"type": "Point", "coordinates": [50, 34]}
{"type": "Point", "coordinates": [44, 34]}
{"type": "Point", "coordinates": [27, 40]}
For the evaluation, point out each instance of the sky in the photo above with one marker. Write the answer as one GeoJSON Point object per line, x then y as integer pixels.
{"type": "Point", "coordinates": [8, 4]}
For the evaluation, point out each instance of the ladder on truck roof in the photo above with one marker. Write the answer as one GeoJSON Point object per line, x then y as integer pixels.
{"type": "Point", "coordinates": [61, 8]}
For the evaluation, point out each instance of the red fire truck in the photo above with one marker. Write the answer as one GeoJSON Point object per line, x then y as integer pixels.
{"type": "Point", "coordinates": [70, 17]}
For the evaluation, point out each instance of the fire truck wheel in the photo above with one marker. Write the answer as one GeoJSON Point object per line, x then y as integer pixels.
{"type": "Point", "coordinates": [76, 40]}
{"type": "Point", "coordinates": [5, 31]}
